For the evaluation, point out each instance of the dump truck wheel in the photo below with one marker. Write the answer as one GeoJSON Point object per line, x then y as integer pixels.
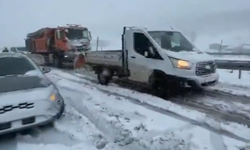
{"type": "Point", "coordinates": [56, 62]}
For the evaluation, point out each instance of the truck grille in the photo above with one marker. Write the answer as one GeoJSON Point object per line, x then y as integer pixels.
{"type": "Point", "coordinates": [18, 106]}
{"type": "Point", "coordinates": [81, 48]}
{"type": "Point", "coordinates": [205, 68]}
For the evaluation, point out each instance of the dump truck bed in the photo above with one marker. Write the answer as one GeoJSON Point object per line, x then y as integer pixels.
{"type": "Point", "coordinates": [107, 58]}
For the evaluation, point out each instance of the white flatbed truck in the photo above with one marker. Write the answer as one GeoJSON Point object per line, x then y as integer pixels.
{"type": "Point", "coordinates": [159, 59]}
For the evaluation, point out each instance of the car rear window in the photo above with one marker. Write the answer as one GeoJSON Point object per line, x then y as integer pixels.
{"type": "Point", "coordinates": [15, 66]}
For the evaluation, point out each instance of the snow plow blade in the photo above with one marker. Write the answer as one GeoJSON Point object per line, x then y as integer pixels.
{"type": "Point", "coordinates": [79, 61]}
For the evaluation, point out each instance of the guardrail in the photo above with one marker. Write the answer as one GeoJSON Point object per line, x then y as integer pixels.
{"type": "Point", "coordinates": [233, 65]}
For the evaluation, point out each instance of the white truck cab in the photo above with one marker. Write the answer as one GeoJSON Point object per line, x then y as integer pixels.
{"type": "Point", "coordinates": [155, 58]}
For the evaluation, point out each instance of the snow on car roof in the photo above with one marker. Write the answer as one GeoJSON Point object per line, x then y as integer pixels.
{"type": "Point", "coordinates": [2, 55]}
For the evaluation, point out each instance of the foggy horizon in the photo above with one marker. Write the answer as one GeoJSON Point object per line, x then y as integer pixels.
{"type": "Point", "coordinates": [18, 18]}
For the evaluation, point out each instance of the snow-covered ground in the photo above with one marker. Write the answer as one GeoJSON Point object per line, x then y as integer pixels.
{"type": "Point", "coordinates": [110, 117]}
{"type": "Point", "coordinates": [229, 82]}
{"type": "Point", "coordinates": [149, 128]}
{"type": "Point", "coordinates": [135, 125]}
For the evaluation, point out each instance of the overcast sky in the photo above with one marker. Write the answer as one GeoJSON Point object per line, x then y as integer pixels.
{"type": "Point", "coordinates": [106, 17]}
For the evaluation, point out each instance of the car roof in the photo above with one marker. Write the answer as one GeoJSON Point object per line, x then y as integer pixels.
{"type": "Point", "coordinates": [2, 55]}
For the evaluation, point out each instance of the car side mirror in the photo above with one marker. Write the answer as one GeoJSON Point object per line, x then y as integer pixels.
{"type": "Point", "coordinates": [46, 69]}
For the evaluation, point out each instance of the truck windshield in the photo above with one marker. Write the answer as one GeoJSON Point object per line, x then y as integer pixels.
{"type": "Point", "coordinates": [171, 40]}
{"type": "Point", "coordinates": [77, 34]}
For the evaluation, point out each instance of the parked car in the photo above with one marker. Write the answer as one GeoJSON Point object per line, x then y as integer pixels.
{"type": "Point", "coordinates": [5, 50]}
{"type": "Point", "coordinates": [23, 50]}
{"type": "Point", "coordinates": [27, 97]}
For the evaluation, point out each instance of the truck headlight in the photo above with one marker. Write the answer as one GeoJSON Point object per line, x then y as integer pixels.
{"type": "Point", "coordinates": [181, 64]}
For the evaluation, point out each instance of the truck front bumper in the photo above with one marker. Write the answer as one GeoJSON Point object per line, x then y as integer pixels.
{"type": "Point", "coordinates": [198, 81]}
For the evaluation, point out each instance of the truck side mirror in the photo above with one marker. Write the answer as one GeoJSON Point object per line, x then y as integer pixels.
{"type": "Point", "coordinates": [64, 39]}
{"type": "Point", "coordinates": [151, 51]}
{"type": "Point", "coordinates": [90, 37]}
{"type": "Point", "coordinates": [146, 54]}
{"type": "Point", "coordinates": [58, 34]}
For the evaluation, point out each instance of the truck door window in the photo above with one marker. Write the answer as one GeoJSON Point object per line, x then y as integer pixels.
{"type": "Point", "coordinates": [60, 34]}
{"type": "Point", "coordinates": [141, 43]}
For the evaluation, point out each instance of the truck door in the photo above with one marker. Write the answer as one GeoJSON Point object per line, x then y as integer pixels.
{"type": "Point", "coordinates": [140, 66]}
{"type": "Point", "coordinates": [60, 41]}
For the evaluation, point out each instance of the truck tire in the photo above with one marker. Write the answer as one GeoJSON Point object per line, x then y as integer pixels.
{"type": "Point", "coordinates": [55, 62]}
{"type": "Point", "coordinates": [102, 79]}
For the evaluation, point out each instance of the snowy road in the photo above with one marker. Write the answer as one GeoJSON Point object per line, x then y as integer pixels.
{"type": "Point", "coordinates": [72, 132]}
{"type": "Point", "coordinates": [156, 105]}
{"type": "Point", "coordinates": [110, 117]}
{"type": "Point", "coordinates": [216, 104]}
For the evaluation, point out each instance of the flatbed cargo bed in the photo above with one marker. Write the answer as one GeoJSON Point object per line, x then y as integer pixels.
{"type": "Point", "coordinates": [107, 58]}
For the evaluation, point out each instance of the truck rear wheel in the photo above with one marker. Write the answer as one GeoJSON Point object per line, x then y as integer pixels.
{"type": "Point", "coordinates": [102, 79]}
{"type": "Point", "coordinates": [57, 62]}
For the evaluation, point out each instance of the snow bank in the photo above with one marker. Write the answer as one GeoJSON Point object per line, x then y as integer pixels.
{"type": "Point", "coordinates": [231, 77]}
{"type": "Point", "coordinates": [230, 83]}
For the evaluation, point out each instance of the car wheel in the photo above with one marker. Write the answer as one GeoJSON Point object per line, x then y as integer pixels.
{"type": "Point", "coordinates": [61, 109]}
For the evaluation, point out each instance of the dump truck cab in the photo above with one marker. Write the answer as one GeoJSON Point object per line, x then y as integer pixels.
{"type": "Point", "coordinates": [59, 45]}
{"type": "Point", "coordinates": [78, 37]}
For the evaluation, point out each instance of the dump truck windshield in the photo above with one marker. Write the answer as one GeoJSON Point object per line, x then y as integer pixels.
{"type": "Point", "coordinates": [77, 34]}
{"type": "Point", "coordinates": [171, 40]}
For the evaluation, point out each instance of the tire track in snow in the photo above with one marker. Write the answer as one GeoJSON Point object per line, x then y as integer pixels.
{"type": "Point", "coordinates": [121, 138]}
{"type": "Point", "coordinates": [166, 112]}
{"type": "Point", "coordinates": [227, 110]}
{"type": "Point", "coordinates": [113, 126]}
{"type": "Point", "coordinates": [215, 111]}
{"type": "Point", "coordinates": [224, 96]}
{"type": "Point", "coordinates": [225, 104]}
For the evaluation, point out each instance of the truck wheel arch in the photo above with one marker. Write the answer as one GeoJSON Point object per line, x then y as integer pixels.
{"type": "Point", "coordinates": [156, 74]}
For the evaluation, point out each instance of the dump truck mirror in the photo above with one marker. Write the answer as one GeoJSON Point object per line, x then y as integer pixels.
{"type": "Point", "coordinates": [90, 37]}
{"type": "Point", "coordinates": [58, 34]}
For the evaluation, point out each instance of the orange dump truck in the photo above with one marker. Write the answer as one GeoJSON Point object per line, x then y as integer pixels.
{"type": "Point", "coordinates": [61, 45]}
